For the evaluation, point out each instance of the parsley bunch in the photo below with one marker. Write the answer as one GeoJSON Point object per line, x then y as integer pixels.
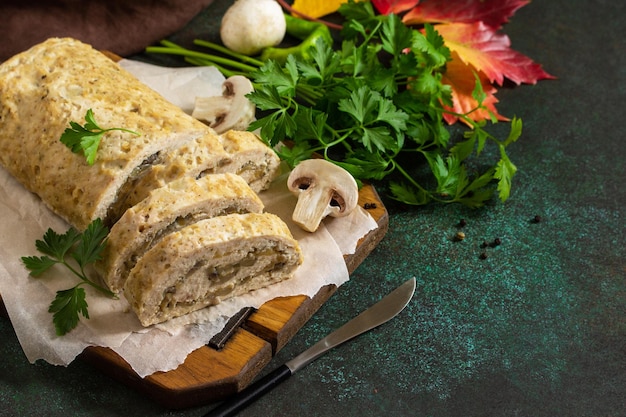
{"type": "Point", "coordinates": [375, 107]}
{"type": "Point", "coordinates": [85, 248]}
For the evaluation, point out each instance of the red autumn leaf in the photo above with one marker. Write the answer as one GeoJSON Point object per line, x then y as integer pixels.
{"type": "Point", "coordinates": [393, 6]}
{"type": "Point", "coordinates": [489, 52]}
{"type": "Point", "coordinates": [469, 29]}
{"type": "Point", "coordinates": [493, 13]}
{"type": "Point", "coordinates": [462, 80]}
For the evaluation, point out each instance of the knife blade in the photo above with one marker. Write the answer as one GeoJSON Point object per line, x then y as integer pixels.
{"type": "Point", "coordinates": [381, 312]}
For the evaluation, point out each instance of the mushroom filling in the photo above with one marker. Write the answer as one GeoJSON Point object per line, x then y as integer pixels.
{"type": "Point", "coordinates": [219, 167]}
{"type": "Point", "coordinates": [252, 171]}
{"type": "Point", "coordinates": [179, 223]}
{"type": "Point", "coordinates": [210, 282]}
{"type": "Point", "coordinates": [121, 203]}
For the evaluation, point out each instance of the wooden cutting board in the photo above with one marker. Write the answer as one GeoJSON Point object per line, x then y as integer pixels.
{"type": "Point", "coordinates": [209, 375]}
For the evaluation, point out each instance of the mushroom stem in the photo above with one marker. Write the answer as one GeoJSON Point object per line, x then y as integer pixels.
{"type": "Point", "coordinates": [312, 207]}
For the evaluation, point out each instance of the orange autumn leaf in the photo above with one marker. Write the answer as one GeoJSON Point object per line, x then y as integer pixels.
{"type": "Point", "coordinates": [317, 8]}
{"type": "Point", "coordinates": [462, 80]}
{"type": "Point", "coordinates": [489, 52]}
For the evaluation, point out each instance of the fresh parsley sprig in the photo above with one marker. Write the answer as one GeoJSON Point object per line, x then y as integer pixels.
{"type": "Point", "coordinates": [86, 139]}
{"type": "Point", "coordinates": [84, 248]}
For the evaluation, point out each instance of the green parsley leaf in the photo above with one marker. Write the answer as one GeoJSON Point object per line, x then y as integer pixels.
{"type": "Point", "coordinates": [268, 98]}
{"type": "Point", "coordinates": [368, 165]}
{"type": "Point", "coordinates": [361, 105]}
{"type": "Point", "coordinates": [505, 170]}
{"type": "Point", "coordinates": [294, 154]}
{"type": "Point", "coordinates": [311, 124]}
{"type": "Point", "coordinates": [66, 307]}
{"type": "Point", "coordinates": [84, 248]}
{"type": "Point", "coordinates": [91, 243]}
{"type": "Point", "coordinates": [515, 133]}
{"type": "Point", "coordinates": [430, 47]}
{"type": "Point", "coordinates": [464, 149]}
{"type": "Point", "coordinates": [395, 36]}
{"type": "Point", "coordinates": [57, 245]}
{"type": "Point", "coordinates": [272, 75]}
{"type": "Point", "coordinates": [38, 265]}
{"type": "Point", "coordinates": [361, 19]}
{"type": "Point", "coordinates": [409, 195]}
{"type": "Point", "coordinates": [448, 172]}
{"type": "Point", "coordinates": [324, 66]}
{"type": "Point", "coordinates": [86, 139]}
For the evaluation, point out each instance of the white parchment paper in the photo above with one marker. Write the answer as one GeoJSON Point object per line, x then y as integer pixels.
{"type": "Point", "coordinates": [24, 219]}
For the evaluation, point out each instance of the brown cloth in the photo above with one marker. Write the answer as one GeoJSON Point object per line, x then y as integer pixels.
{"type": "Point", "coordinates": [124, 27]}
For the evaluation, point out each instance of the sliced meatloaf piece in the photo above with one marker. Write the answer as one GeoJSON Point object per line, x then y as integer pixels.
{"type": "Point", "coordinates": [210, 261]}
{"type": "Point", "coordinates": [167, 209]}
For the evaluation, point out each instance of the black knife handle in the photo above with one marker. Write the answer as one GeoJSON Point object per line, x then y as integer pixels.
{"type": "Point", "coordinates": [247, 396]}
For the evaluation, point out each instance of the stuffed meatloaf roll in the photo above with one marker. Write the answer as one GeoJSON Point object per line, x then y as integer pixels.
{"type": "Point", "coordinates": [166, 210]}
{"type": "Point", "coordinates": [208, 262]}
{"type": "Point", "coordinates": [186, 226]}
{"type": "Point", "coordinates": [56, 82]}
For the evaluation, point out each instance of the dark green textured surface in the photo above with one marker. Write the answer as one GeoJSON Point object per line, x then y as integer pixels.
{"type": "Point", "coordinates": [538, 328]}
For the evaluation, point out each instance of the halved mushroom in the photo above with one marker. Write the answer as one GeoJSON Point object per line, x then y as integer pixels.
{"type": "Point", "coordinates": [323, 189]}
{"type": "Point", "coordinates": [230, 111]}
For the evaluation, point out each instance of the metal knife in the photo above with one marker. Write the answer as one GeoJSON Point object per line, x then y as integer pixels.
{"type": "Point", "coordinates": [379, 313]}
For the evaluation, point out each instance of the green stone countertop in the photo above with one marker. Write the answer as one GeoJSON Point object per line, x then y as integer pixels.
{"type": "Point", "coordinates": [538, 328]}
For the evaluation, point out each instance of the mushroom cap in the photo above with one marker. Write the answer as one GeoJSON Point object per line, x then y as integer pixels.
{"type": "Point", "coordinates": [323, 189]}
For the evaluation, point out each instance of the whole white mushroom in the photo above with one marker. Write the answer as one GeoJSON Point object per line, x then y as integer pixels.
{"type": "Point", "coordinates": [249, 26]}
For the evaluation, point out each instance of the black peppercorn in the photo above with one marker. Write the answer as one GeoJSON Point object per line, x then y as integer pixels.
{"type": "Point", "coordinates": [462, 223]}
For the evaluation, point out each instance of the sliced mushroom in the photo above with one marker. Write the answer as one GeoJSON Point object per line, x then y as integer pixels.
{"type": "Point", "coordinates": [230, 111]}
{"type": "Point", "coordinates": [323, 189]}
